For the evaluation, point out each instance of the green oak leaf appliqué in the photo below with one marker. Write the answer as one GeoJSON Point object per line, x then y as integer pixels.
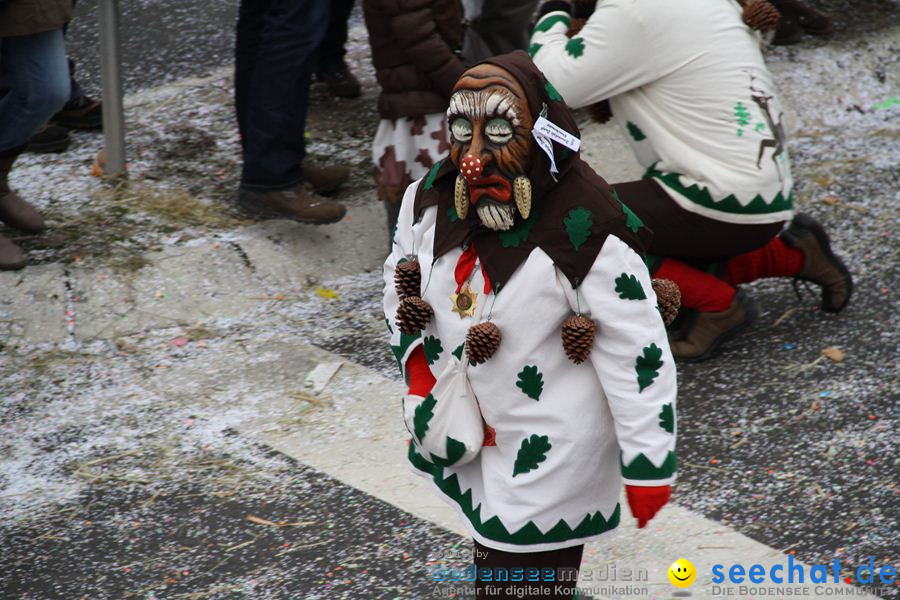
{"type": "Point", "coordinates": [532, 452]}
{"type": "Point", "coordinates": [422, 416]}
{"type": "Point", "coordinates": [552, 93]}
{"type": "Point", "coordinates": [432, 174]}
{"type": "Point", "coordinates": [632, 221]}
{"type": "Point", "coordinates": [647, 366]}
{"type": "Point", "coordinates": [635, 131]}
{"type": "Point", "coordinates": [531, 382]}
{"type": "Point", "coordinates": [432, 348]}
{"type": "Point", "coordinates": [667, 418]}
{"type": "Point", "coordinates": [459, 350]}
{"type": "Point", "coordinates": [575, 47]}
{"type": "Point", "coordinates": [629, 288]}
{"type": "Point", "coordinates": [578, 226]}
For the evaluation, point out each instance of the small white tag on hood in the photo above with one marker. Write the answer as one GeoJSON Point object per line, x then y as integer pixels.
{"type": "Point", "coordinates": [546, 144]}
{"type": "Point", "coordinates": [557, 134]}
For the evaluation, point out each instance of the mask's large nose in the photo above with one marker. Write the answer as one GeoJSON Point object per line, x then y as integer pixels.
{"type": "Point", "coordinates": [471, 167]}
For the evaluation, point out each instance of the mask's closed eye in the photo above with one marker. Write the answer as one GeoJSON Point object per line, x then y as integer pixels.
{"type": "Point", "coordinates": [461, 129]}
{"type": "Point", "coordinates": [499, 131]}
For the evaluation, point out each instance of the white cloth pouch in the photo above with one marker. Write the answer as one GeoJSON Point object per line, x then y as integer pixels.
{"type": "Point", "coordinates": [446, 425]}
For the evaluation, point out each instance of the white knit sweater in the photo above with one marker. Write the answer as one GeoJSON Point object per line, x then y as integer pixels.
{"type": "Point", "coordinates": [687, 82]}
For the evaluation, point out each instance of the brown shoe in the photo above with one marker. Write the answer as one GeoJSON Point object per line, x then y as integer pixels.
{"type": "Point", "coordinates": [49, 138]}
{"type": "Point", "coordinates": [710, 329]}
{"type": "Point", "coordinates": [788, 32]}
{"type": "Point", "coordinates": [85, 113]}
{"type": "Point", "coordinates": [11, 256]}
{"type": "Point", "coordinates": [14, 211]}
{"type": "Point", "coordinates": [325, 179]}
{"type": "Point", "coordinates": [813, 22]}
{"type": "Point", "coordinates": [294, 203]}
{"type": "Point", "coordinates": [820, 265]}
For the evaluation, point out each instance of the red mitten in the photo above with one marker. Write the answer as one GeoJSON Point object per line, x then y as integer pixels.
{"type": "Point", "coordinates": [645, 502]}
{"type": "Point", "coordinates": [420, 378]}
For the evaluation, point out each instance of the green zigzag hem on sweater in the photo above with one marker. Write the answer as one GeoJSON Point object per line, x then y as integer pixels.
{"type": "Point", "coordinates": [729, 204]}
{"type": "Point", "coordinates": [493, 529]}
{"type": "Point", "coordinates": [549, 21]}
{"type": "Point", "coordinates": [641, 469]}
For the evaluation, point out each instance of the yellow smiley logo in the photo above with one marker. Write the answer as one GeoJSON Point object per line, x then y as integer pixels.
{"type": "Point", "coordinates": [682, 573]}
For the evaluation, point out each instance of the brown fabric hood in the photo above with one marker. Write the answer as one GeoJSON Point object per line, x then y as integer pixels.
{"type": "Point", "coordinates": [570, 217]}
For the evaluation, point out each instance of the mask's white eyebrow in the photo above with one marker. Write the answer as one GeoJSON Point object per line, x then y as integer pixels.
{"type": "Point", "coordinates": [477, 105]}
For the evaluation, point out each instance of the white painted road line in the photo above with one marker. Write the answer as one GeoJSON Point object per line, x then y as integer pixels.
{"type": "Point", "coordinates": [357, 436]}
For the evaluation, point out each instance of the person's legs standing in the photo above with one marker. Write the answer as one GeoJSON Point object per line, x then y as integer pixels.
{"type": "Point", "coordinates": [275, 52]}
{"type": "Point", "coordinates": [331, 67]}
{"type": "Point", "coordinates": [564, 560]}
{"type": "Point", "coordinates": [34, 67]}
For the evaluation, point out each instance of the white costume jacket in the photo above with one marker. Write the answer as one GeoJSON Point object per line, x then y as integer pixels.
{"type": "Point", "coordinates": [567, 435]}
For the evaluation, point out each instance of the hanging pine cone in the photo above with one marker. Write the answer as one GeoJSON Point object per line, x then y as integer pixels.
{"type": "Point", "coordinates": [761, 15]}
{"type": "Point", "coordinates": [408, 279]}
{"type": "Point", "coordinates": [578, 338]}
{"type": "Point", "coordinates": [481, 342]}
{"type": "Point", "coordinates": [668, 298]}
{"type": "Point", "coordinates": [413, 315]}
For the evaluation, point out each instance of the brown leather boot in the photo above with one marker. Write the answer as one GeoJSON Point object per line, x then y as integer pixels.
{"type": "Point", "coordinates": [820, 265]}
{"type": "Point", "coordinates": [710, 329]}
{"type": "Point", "coordinates": [14, 211]}
{"type": "Point", "coordinates": [294, 203]}
{"type": "Point", "coordinates": [812, 21]}
{"type": "Point", "coordinates": [11, 256]}
{"type": "Point", "coordinates": [325, 179]}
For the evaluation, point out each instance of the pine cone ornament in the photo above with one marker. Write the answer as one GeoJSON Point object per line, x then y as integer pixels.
{"type": "Point", "coordinates": [408, 279]}
{"type": "Point", "coordinates": [761, 15]}
{"type": "Point", "coordinates": [413, 315]}
{"type": "Point", "coordinates": [668, 298]}
{"type": "Point", "coordinates": [578, 338]}
{"type": "Point", "coordinates": [481, 342]}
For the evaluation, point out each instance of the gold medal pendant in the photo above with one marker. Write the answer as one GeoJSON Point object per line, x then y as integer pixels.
{"type": "Point", "coordinates": [465, 302]}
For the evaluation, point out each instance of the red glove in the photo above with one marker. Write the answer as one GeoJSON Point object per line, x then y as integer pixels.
{"type": "Point", "coordinates": [420, 378]}
{"type": "Point", "coordinates": [645, 502]}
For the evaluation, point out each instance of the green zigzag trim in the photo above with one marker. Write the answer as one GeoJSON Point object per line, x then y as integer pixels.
{"type": "Point", "coordinates": [429, 180]}
{"type": "Point", "coordinates": [493, 529]}
{"type": "Point", "coordinates": [533, 49]}
{"type": "Point", "coordinates": [549, 21]}
{"type": "Point", "coordinates": [641, 469]}
{"type": "Point", "coordinates": [729, 204]}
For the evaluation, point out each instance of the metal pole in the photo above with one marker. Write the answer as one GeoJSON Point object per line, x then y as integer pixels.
{"type": "Point", "coordinates": [113, 117]}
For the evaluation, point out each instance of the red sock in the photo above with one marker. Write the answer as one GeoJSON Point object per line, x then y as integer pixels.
{"type": "Point", "coordinates": [699, 290]}
{"type": "Point", "coordinates": [420, 378]}
{"type": "Point", "coordinates": [775, 259]}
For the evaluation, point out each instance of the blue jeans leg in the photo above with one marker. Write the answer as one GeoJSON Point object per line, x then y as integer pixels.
{"type": "Point", "coordinates": [275, 53]}
{"type": "Point", "coordinates": [34, 69]}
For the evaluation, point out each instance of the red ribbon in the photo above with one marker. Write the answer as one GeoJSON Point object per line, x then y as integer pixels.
{"type": "Point", "coordinates": [464, 267]}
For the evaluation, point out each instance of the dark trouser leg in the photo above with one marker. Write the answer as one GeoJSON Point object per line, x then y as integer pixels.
{"type": "Point", "coordinates": [504, 25]}
{"type": "Point", "coordinates": [331, 50]}
{"type": "Point", "coordinates": [683, 234]}
{"type": "Point", "coordinates": [275, 50]}
{"type": "Point", "coordinates": [565, 559]}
